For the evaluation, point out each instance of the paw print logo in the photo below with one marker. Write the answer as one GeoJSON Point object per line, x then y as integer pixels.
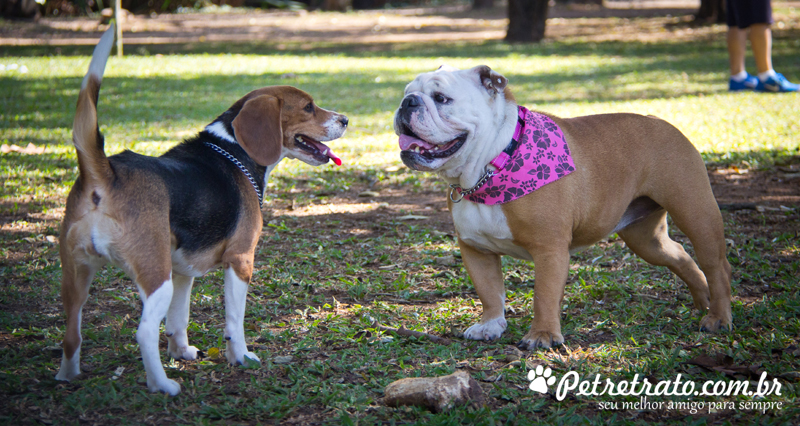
{"type": "Point", "coordinates": [541, 379]}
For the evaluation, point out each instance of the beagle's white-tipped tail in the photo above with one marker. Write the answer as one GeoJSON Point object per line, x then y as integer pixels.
{"type": "Point", "coordinates": [92, 161]}
{"type": "Point", "coordinates": [100, 56]}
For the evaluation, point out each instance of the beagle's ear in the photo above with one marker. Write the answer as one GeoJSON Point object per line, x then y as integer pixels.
{"type": "Point", "coordinates": [257, 127]}
{"type": "Point", "coordinates": [491, 80]}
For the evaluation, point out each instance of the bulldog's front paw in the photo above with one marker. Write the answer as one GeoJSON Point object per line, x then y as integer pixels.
{"type": "Point", "coordinates": [489, 330]}
{"type": "Point", "coordinates": [702, 301]}
{"type": "Point", "coordinates": [187, 352]}
{"type": "Point", "coordinates": [712, 323]}
{"type": "Point", "coordinates": [540, 339]}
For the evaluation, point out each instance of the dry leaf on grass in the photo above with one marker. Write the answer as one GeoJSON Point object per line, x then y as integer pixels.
{"type": "Point", "coordinates": [724, 364]}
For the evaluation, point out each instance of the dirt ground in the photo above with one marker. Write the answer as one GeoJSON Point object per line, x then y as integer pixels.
{"type": "Point", "coordinates": [366, 27]}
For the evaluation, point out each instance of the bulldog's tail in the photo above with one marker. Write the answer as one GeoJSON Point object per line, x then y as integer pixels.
{"type": "Point", "coordinates": [92, 161]}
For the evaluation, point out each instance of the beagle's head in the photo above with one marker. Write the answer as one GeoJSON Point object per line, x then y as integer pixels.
{"type": "Point", "coordinates": [281, 121]}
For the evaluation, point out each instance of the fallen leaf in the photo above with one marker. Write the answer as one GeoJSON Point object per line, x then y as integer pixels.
{"type": "Point", "coordinates": [412, 217]}
{"type": "Point", "coordinates": [791, 375]}
{"type": "Point", "coordinates": [724, 364]}
{"type": "Point", "coordinates": [288, 359]}
{"type": "Point", "coordinates": [387, 267]}
{"type": "Point", "coordinates": [445, 260]}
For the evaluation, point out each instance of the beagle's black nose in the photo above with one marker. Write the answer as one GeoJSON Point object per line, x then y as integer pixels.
{"type": "Point", "coordinates": [344, 121]}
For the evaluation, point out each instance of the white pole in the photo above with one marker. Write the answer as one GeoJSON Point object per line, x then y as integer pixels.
{"type": "Point", "coordinates": [118, 21]}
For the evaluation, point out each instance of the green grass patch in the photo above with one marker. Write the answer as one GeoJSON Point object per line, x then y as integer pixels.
{"type": "Point", "coordinates": [322, 277]}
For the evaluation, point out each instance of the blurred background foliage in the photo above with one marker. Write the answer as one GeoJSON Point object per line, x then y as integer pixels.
{"type": "Point", "coordinates": [88, 7]}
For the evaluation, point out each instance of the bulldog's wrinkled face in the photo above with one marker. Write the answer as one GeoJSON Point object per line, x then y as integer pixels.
{"type": "Point", "coordinates": [442, 114]}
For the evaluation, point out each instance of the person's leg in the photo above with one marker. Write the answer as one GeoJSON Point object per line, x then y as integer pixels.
{"type": "Point", "coordinates": [761, 44]}
{"type": "Point", "coordinates": [737, 44]}
{"type": "Point", "coordinates": [768, 79]}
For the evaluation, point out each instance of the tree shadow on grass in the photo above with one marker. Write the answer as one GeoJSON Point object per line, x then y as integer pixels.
{"type": "Point", "coordinates": [48, 103]}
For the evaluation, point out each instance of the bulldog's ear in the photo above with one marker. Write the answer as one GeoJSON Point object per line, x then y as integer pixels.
{"type": "Point", "coordinates": [257, 127]}
{"type": "Point", "coordinates": [491, 80]}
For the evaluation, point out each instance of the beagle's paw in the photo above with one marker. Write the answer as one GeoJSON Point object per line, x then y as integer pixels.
{"type": "Point", "coordinates": [167, 386]}
{"type": "Point", "coordinates": [712, 323]}
{"type": "Point", "coordinates": [69, 369]}
{"type": "Point", "coordinates": [488, 330]}
{"type": "Point", "coordinates": [249, 357]}
{"type": "Point", "coordinates": [186, 352]}
{"type": "Point", "coordinates": [241, 357]}
{"type": "Point", "coordinates": [540, 339]}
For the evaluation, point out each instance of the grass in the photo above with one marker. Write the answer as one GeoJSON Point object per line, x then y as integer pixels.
{"type": "Point", "coordinates": [329, 262]}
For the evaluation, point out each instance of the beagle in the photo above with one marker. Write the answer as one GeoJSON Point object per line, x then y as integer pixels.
{"type": "Point", "coordinates": [165, 220]}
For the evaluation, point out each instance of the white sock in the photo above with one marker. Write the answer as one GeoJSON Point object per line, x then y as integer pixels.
{"type": "Point", "coordinates": [763, 76]}
{"type": "Point", "coordinates": [739, 77]}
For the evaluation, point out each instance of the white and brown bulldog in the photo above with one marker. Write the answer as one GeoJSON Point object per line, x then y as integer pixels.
{"type": "Point", "coordinates": [539, 187]}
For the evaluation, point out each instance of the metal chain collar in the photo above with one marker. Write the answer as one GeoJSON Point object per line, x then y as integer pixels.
{"type": "Point", "coordinates": [241, 167]}
{"type": "Point", "coordinates": [454, 188]}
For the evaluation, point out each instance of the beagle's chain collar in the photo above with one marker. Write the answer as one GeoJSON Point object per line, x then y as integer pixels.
{"type": "Point", "coordinates": [241, 167]}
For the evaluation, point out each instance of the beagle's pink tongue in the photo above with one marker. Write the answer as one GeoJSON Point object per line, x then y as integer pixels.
{"type": "Point", "coordinates": [408, 142]}
{"type": "Point", "coordinates": [336, 160]}
{"type": "Point", "coordinates": [325, 150]}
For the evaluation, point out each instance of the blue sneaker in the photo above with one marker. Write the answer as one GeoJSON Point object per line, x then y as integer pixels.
{"type": "Point", "coordinates": [777, 83]}
{"type": "Point", "coordinates": [749, 83]}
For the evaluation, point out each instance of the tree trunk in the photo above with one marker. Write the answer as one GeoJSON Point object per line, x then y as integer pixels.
{"type": "Point", "coordinates": [711, 11]}
{"type": "Point", "coordinates": [526, 20]}
{"type": "Point", "coordinates": [368, 4]}
{"type": "Point", "coordinates": [482, 4]}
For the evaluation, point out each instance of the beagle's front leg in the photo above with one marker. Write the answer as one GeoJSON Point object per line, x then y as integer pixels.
{"type": "Point", "coordinates": [237, 277]}
{"type": "Point", "coordinates": [487, 276]}
{"type": "Point", "coordinates": [178, 319]}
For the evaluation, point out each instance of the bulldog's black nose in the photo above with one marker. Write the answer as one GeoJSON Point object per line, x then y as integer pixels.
{"type": "Point", "coordinates": [411, 101]}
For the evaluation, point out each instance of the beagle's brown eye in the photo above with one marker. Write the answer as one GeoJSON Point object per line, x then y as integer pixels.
{"type": "Point", "coordinates": [309, 107]}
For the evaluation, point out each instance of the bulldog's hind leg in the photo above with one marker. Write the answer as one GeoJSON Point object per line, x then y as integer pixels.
{"type": "Point", "coordinates": [699, 218]}
{"type": "Point", "coordinates": [487, 276]}
{"type": "Point", "coordinates": [649, 239]}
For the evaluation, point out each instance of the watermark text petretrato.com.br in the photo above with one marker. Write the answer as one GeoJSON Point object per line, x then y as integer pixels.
{"type": "Point", "coordinates": [542, 379]}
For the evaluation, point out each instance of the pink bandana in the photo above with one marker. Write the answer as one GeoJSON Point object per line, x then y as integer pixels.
{"type": "Point", "coordinates": [537, 155]}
